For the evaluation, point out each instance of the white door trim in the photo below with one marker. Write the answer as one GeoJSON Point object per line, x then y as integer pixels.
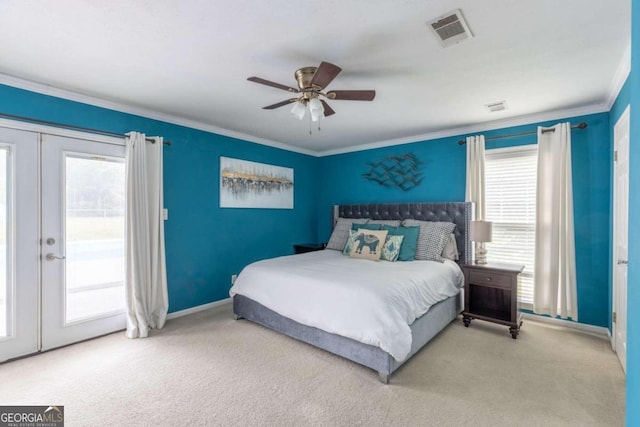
{"type": "Point", "coordinates": [624, 117]}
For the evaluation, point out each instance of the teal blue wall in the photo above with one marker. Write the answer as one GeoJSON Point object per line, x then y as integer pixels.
{"type": "Point", "coordinates": [616, 111]}
{"type": "Point", "coordinates": [205, 245]}
{"type": "Point", "coordinates": [444, 169]}
{"type": "Point", "coordinates": [633, 287]}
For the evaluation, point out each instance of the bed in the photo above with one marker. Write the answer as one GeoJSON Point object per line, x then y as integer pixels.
{"type": "Point", "coordinates": [265, 306]}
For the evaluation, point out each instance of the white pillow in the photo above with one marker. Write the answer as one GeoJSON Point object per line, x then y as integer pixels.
{"type": "Point", "coordinates": [450, 250]}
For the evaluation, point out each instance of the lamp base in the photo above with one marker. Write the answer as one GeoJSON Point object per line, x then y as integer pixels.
{"type": "Point", "coordinates": [481, 254]}
{"type": "Point", "coordinates": [481, 261]}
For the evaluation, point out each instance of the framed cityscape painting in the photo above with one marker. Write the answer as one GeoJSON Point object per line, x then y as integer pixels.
{"type": "Point", "coordinates": [245, 184]}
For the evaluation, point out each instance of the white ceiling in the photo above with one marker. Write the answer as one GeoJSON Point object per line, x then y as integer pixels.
{"type": "Point", "coordinates": [190, 59]}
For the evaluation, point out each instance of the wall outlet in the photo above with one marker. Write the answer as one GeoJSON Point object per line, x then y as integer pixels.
{"type": "Point", "coordinates": [233, 278]}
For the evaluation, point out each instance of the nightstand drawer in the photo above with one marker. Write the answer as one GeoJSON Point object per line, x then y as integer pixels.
{"type": "Point", "coordinates": [490, 278]}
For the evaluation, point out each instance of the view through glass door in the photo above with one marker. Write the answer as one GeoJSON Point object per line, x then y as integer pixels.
{"type": "Point", "coordinates": [83, 247]}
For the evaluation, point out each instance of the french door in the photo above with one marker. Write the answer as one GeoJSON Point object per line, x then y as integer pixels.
{"type": "Point", "coordinates": [19, 251]}
{"type": "Point", "coordinates": [64, 247]}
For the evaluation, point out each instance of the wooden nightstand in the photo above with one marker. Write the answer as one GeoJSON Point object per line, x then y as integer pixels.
{"type": "Point", "coordinates": [491, 294]}
{"type": "Point", "coordinates": [302, 248]}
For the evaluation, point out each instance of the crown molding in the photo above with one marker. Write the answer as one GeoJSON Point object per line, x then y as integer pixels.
{"type": "Point", "coordinates": [143, 112]}
{"type": "Point", "coordinates": [620, 77]}
{"type": "Point", "coordinates": [459, 131]}
{"type": "Point", "coordinates": [479, 127]}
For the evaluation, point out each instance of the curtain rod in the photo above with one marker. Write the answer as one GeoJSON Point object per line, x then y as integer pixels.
{"type": "Point", "coordinates": [533, 132]}
{"type": "Point", "coordinates": [71, 127]}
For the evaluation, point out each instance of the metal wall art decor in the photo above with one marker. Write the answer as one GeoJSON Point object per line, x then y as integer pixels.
{"type": "Point", "coordinates": [402, 171]}
{"type": "Point", "coordinates": [245, 184]}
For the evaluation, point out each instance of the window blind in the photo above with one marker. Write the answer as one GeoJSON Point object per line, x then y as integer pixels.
{"type": "Point", "coordinates": [510, 195]}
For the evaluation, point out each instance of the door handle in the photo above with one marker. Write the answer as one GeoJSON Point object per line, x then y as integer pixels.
{"type": "Point", "coordinates": [623, 261]}
{"type": "Point", "coordinates": [52, 257]}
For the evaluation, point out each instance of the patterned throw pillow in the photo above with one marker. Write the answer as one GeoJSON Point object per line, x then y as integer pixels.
{"type": "Point", "coordinates": [368, 244]}
{"type": "Point", "coordinates": [391, 248]}
{"type": "Point", "coordinates": [341, 232]}
{"type": "Point", "coordinates": [349, 245]}
{"type": "Point", "coordinates": [409, 243]}
{"type": "Point", "coordinates": [432, 238]}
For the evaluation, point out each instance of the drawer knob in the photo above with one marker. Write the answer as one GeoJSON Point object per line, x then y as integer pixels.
{"type": "Point", "coordinates": [489, 279]}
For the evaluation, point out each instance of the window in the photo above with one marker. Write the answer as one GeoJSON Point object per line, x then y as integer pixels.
{"type": "Point", "coordinates": [510, 192]}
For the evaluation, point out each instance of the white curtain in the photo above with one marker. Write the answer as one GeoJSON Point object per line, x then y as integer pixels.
{"type": "Point", "coordinates": [475, 174]}
{"type": "Point", "coordinates": [555, 266]}
{"type": "Point", "coordinates": [146, 277]}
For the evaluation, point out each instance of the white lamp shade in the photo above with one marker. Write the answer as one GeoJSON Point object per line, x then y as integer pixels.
{"type": "Point", "coordinates": [480, 231]}
{"type": "Point", "coordinates": [316, 109]}
{"type": "Point", "coordinates": [298, 110]}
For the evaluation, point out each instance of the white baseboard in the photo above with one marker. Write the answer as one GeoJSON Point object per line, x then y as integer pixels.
{"type": "Point", "coordinates": [198, 308]}
{"type": "Point", "coordinates": [582, 327]}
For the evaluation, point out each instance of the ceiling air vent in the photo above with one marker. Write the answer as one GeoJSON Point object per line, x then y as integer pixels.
{"type": "Point", "coordinates": [496, 106]}
{"type": "Point", "coordinates": [450, 28]}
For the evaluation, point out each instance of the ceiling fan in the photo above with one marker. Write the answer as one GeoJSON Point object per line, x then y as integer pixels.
{"type": "Point", "coordinates": [311, 83]}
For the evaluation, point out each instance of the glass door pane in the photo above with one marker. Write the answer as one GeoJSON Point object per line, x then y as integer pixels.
{"type": "Point", "coordinates": [94, 218]}
{"type": "Point", "coordinates": [19, 238]}
{"type": "Point", "coordinates": [5, 245]}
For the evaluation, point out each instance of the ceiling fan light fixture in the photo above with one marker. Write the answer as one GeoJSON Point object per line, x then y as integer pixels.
{"type": "Point", "coordinates": [298, 110]}
{"type": "Point", "coordinates": [312, 81]}
{"type": "Point", "coordinates": [316, 109]}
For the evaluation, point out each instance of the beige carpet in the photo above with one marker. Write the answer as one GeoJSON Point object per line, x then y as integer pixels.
{"type": "Point", "coordinates": [208, 369]}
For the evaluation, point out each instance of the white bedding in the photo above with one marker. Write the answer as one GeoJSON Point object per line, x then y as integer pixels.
{"type": "Point", "coordinates": [373, 302]}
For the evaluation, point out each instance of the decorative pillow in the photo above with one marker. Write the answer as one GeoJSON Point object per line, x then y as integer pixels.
{"type": "Point", "coordinates": [391, 248]}
{"type": "Point", "coordinates": [341, 232]}
{"type": "Point", "coordinates": [391, 222]}
{"type": "Point", "coordinates": [432, 238]}
{"type": "Point", "coordinates": [450, 250]}
{"type": "Point", "coordinates": [368, 244]}
{"type": "Point", "coordinates": [409, 243]}
{"type": "Point", "coordinates": [350, 241]}
{"type": "Point", "coordinates": [356, 226]}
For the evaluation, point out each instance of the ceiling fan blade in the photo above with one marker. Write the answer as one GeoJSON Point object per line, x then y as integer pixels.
{"type": "Point", "coordinates": [272, 84]}
{"type": "Point", "coordinates": [280, 104]}
{"type": "Point", "coordinates": [352, 95]}
{"type": "Point", "coordinates": [328, 111]}
{"type": "Point", "coordinates": [325, 73]}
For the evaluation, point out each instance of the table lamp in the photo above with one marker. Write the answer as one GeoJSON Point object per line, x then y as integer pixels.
{"type": "Point", "coordinates": [480, 233]}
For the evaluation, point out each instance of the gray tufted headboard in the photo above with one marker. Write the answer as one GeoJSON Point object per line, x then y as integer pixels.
{"type": "Point", "coordinates": [460, 213]}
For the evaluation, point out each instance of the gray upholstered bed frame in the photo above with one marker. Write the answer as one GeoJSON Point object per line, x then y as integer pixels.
{"type": "Point", "coordinates": [422, 330]}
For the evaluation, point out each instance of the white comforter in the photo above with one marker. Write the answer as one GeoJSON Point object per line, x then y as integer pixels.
{"type": "Point", "coordinates": [373, 302]}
